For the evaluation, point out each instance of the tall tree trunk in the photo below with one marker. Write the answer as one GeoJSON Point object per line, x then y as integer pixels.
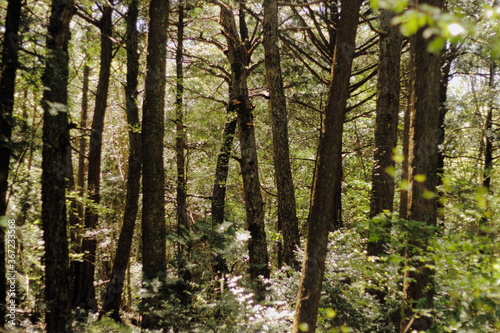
{"type": "Point", "coordinates": [422, 171]}
{"type": "Point", "coordinates": [328, 169]}
{"type": "Point", "coordinates": [488, 130]}
{"type": "Point", "coordinates": [180, 139]}
{"type": "Point", "coordinates": [84, 292]}
{"type": "Point", "coordinates": [153, 181]}
{"type": "Point", "coordinates": [239, 101]}
{"type": "Point", "coordinates": [56, 148]}
{"type": "Point", "coordinates": [180, 153]}
{"type": "Point", "coordinates": [82, 143]}
{"type": "Point", "coordinates": [386, 125]}
{"type": "Point", "coordinates": [114, 289]}
{"type": "Point", "coordinates": [403, 194]}
{"type": "Point", "coordinates": [446, 59]}
{"type": "Point", "coordinates": [77, 207]}
{"type": "Point", "coordinates": [218, 199]}
{"type": "Point", "coordinates": [7, 86]}
{"type": "Point", "coordinates": [488, 139]}
{"type": "Point", "coordinates": [287, 216]}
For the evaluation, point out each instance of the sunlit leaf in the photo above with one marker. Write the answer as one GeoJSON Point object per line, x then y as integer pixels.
{"type": "Point", "coordinates": [391, 171]}
{"type": "Point", "coordinates": [429, 195]}
{"type": "Point", "coordinates": [330, 313]}
{"type": "Point", "coordinates": [304, 327]}
{"type": "Point", "coordinates": [436, 45]}
{"type": "Point", "coordinates": [397, 156]}
{"type": "Point", "coordinates": [374, 4]}
{"type": "Point", "coordinates": [345, 329]}
{"type": "Point", "coordinates": [420, 178]}
{"type": "Point", "coordinates": [404, 185]}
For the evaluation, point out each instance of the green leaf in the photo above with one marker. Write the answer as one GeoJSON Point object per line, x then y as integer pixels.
{"type": "Point", "coordinates": [420, 178]}
{"type": "Point", "coordinates": [411, 25]}
{"type": "Point", "coordinates": [429, 195]}
{"type": "Point", "coordinates": [436, 45]}
{"type": "Point", "coordinates": [404, 185]}
{"type": "Point", "coordinates": [390, 171]}
{"type": "Point", "coordinates": [374, 4]}
{"type": "Point", "coordinates": [304, 327]}
{"type": "Point", "coordinates": [330, 313]}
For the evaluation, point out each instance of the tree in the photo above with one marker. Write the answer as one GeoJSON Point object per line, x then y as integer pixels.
{"type": "Point", "coordinates": [153, 207]}
{"type": "Point", "coordinates": [180, 157]}
{"type": "Point", "coordinates": [422, 170]}
{"type": "Point", "coordinates": [84, 295]}
{"type": "Point", "coordinates": [287, 217]}
{"type": "Point", "coordinates": [239, 101]}
{"type": "Point", "coordinates": [10, 63]}
{"type": "Point", "coordinates": [328, 169]}
{"type": "Point", "coordinates": [315, 50]}
{"type": "Point", "coordinates": [488, 129]}
{"type": "Point", "coordinates": [447, 58]}
{"type": "Point", "coordinates": [56, 149]}
{"type": "Point", "coordinates": [386, 124]}
{"type": "Point", "coordinates": [114, 288]}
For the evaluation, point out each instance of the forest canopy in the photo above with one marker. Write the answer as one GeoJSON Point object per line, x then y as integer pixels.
{"type": "Point", "coordinates": [249, 166]}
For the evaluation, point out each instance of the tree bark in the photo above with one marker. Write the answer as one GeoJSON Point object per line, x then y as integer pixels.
{"type": "Point", "coordinates": [218, 199]}
{"type": "Point", "coordinates": [488, 140]}
{"type": "Point", "coordinates": [153, 211]}
{"type": "Point", "coordinates": [446, 59]}
{"type": "Point", "coordinates": [287, 216]}
{"type": "Point", "coordinates": [8, 70]}
{"type": "Point", "coordinates": [56, 148]}
{"type": "Point", "coordinates": [422, 171]}
{"type": "Point", "coordinates": [489, 135]}
{"type": "Point", "coordinates": [180, 153]}
{"type": "Point", "coordinates": [114, 289]}
{"type": "Point", "coordinates": [82, 144]}
{"type": "Point", "coordinates": [328, 169]}
{"type": "Point", "coordinates": [386, 125]}
{"type": "Point", "coordinates": [239, 101]}
{"type": "Point", "coordinates": [84, 292]}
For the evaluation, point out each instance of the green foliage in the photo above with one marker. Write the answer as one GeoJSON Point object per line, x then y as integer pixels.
{"type": "Point", "coordinates": [104, 325]}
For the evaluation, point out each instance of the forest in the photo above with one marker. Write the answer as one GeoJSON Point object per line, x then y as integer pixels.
{"type": "Point", "coordinates": [249, 166]}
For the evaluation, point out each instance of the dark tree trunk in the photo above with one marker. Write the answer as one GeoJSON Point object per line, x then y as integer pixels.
{"type": "Point", "coordinates": [56, 148]}
{"type": "Point", "coordinates": [153, 210]}
{"type": "Point", "coordinates": [84, 292]}
{"type": "Point", "coordinates": [337, 221]}
{"type": "Point", "coordinates": [386, 125]}
{"type": "Point", "coordinates": [287, 216]}
{"type": "Point", "coordinates": [114, 289]}
{"type": "Point", "coordinates": [180, 153]}
{"type": "Point", "coordinates": [403, 194]}
{"type": "Point", "coordinates": [77, 207]}
{"type": "Point", "coordinates": [447, 58]}
{"type": "Point", "coordinates": [239, 101]}
{"type": "Point", "coordinates": [488, 140]}
{"type": "Point", "coordinates": [82, 144]}
{"type": "Point", "coordinates": [488, 133]}
{"type": "Point", "coordinates": [423, 167]}
{"type": "Point", "coordinates": [328, 169]}
{"type": "Point", "coordinates": [180, 139]}
{"type": "Point", "coordinates": [7, 85]}
{"type": "Point", "coordinates": [218, 199]}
